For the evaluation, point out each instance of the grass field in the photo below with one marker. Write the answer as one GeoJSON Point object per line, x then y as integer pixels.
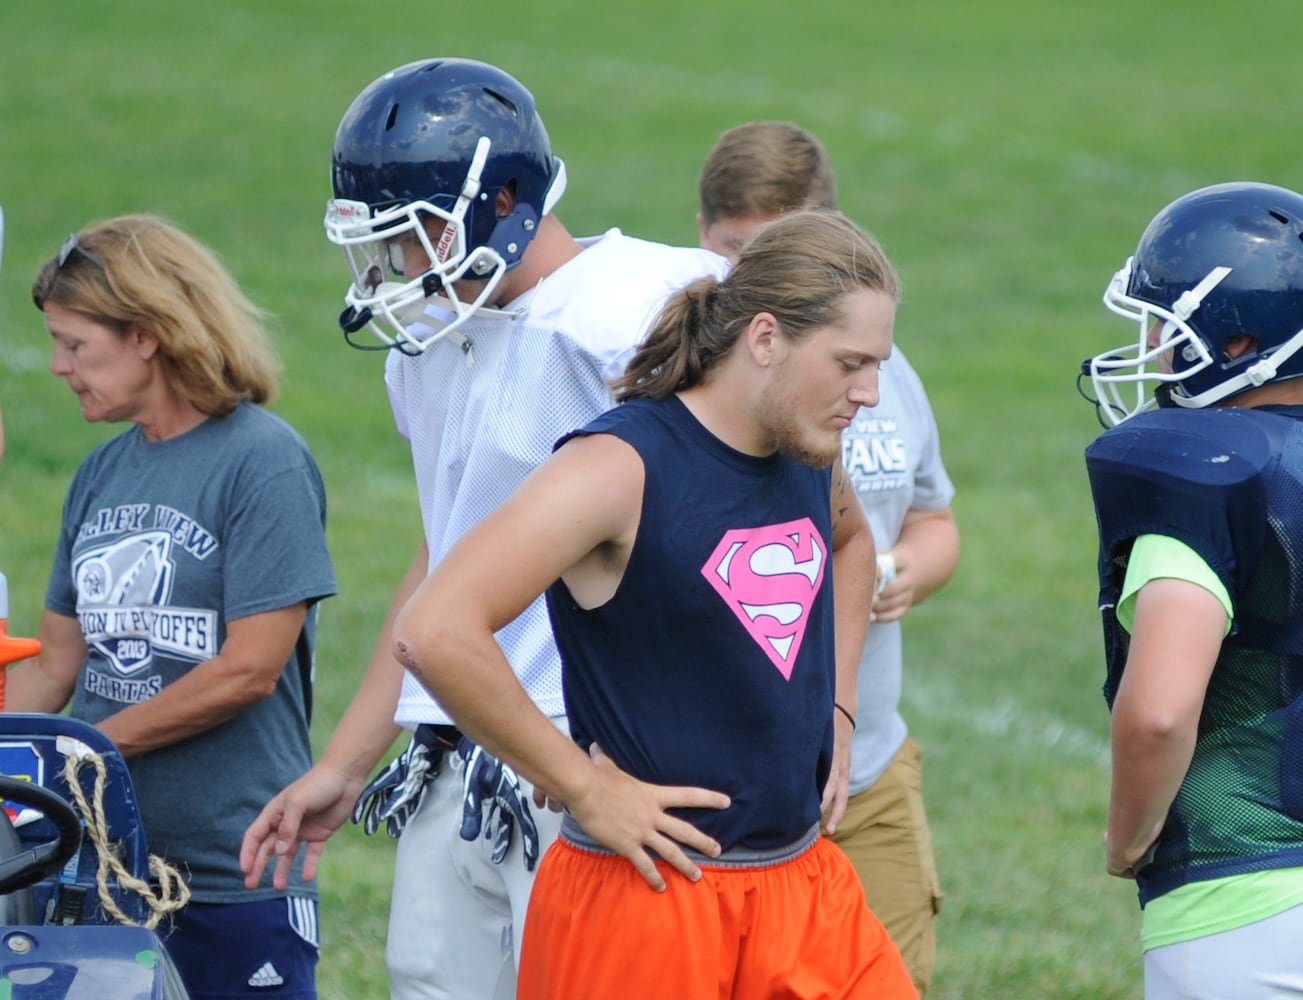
{"type": "Point", "coordinates": [1007, 155]}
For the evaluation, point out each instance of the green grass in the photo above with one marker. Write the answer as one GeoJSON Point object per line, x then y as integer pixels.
{"type": "Point", "coordinates": [1007, 155]}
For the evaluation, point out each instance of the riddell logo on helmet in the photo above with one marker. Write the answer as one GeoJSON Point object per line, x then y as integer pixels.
{"type": "Point", "coordinates": [342, 208]}
{"type": "Point", "coordinates": [445, 241]}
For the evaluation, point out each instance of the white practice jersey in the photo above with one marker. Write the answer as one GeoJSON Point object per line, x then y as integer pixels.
{"type": "Point", "coordinates": [483, 411]}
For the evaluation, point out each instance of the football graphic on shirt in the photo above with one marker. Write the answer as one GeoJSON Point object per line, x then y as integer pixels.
{"type": "Point", "coordinates": [120, 586]}
{"type": "Point", "coordinates": [135, 570]}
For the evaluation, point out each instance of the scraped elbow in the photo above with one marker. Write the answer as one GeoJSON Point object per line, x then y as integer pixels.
{"type": "Point", "coordinates": [413, 639]}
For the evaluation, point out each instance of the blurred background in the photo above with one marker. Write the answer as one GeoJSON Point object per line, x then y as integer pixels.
{"type": "Point", "coordinates": [1008, 155]}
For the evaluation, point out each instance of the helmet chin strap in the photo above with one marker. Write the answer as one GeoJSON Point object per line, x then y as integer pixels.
{"type": "Point", "coordinates": [1265, 370]}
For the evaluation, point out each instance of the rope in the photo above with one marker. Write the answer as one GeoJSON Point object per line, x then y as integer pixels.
{"type": "Point", "coordinates": [172, 892]}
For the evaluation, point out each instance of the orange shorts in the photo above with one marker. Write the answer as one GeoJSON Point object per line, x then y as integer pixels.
{"type": "Point", "coordinates": [798, 928]}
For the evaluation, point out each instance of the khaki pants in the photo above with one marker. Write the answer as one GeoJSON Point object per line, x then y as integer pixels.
{"type": "Point", "coordinates": [886, 836]}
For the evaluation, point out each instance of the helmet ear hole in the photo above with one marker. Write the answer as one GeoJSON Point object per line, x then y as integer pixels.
{"type": "Point", "coordinates": [505, 203]}
{"type": "Point", "coordinates": [1240, 345]}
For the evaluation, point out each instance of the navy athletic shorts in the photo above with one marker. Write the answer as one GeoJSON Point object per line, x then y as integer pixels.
{"type": "Point", "coordinates": [266, 948]}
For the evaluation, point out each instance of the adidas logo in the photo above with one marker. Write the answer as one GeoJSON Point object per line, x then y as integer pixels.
{"type": "Point", "coordinates": [266, 976]}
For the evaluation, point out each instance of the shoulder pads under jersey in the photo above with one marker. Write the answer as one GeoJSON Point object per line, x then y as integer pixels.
{"type": "Point", "coordinates": [1194, 475]}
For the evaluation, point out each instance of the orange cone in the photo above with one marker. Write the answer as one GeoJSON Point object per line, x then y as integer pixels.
{"type": "Point", "coordinates": [12, 649]}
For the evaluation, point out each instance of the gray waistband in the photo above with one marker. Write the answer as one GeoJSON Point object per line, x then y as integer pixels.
{"type": "Point", "coordinates": [735, 857]}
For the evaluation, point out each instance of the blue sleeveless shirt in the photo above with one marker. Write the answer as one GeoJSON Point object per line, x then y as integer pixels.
{"type": "Point", "coordinates": [712, 664]}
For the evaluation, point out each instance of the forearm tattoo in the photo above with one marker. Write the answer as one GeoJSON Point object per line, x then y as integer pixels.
{"type": "Point", "coordinates": [842, 494]}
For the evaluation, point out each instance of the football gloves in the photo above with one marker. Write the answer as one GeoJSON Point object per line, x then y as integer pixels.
{"type": "Point", "coordinates": [394, 794]}
{"type": "Point", "coordinates": [494, 805]}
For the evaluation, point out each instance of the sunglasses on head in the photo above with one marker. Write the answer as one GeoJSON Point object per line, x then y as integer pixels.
{"type": "Point", "coordinates": [71, 246]}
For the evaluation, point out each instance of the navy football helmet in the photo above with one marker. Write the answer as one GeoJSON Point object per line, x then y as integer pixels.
{"type": "Point", "coordinates": [1220, 262]}
{"type": "Point", "coordinates": [440, 139]}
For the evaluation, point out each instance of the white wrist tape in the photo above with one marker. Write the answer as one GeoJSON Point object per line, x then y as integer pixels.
{"type": "Point", "coordinates": [886, 572]}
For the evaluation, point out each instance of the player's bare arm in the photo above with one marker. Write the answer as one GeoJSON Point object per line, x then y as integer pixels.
{"type": "Point", "coordinates": [1178, 632]}
{"type": "Point", "coordinates": [570, 519]}
{"type": "Point", "coordinates": [853, 564]}
{"type": "Point", "coordinates": [316, 805]}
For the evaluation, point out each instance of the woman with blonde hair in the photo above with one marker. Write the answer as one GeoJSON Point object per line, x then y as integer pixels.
{"type": "Point", "coordinates": [181, 612]}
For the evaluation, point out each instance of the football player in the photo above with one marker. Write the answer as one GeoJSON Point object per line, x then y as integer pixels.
{"type": "Point", "coordinates": [892, 453]}
{"type": "Point", "coordinates": [502, 330]}
{"type": "Point", "coordinates": [710, 679]}
{"type": "Point", "coordinates": [1198, 491]}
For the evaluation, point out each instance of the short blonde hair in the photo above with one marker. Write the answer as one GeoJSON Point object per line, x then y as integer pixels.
{"type": "Point", "coordinates": [765, 168]}
{"type": "Point", "coordinates": [799, 267]}
{"type": "Point", "coordinates": [143, 270]}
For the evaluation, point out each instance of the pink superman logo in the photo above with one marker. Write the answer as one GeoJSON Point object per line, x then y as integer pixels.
{"type": "Point", "coordinates": [769, 576]}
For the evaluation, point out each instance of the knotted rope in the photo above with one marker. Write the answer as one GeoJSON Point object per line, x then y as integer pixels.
{"type": "Point", "coordinates": [172, 892]}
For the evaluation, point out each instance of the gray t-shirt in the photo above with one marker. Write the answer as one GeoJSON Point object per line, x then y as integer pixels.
{"type": "Point", "coordinates": [162, 544]}
{"type": "Point", "coordinates": [893, 456]}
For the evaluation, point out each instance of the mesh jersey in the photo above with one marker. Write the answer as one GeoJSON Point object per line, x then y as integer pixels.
{"type": "Point", "coordinates": [1228, 483]}
{"type": "Point", "coordinates": [481, 416]}
{"type": "Point", "coordinates": [712, 664]}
